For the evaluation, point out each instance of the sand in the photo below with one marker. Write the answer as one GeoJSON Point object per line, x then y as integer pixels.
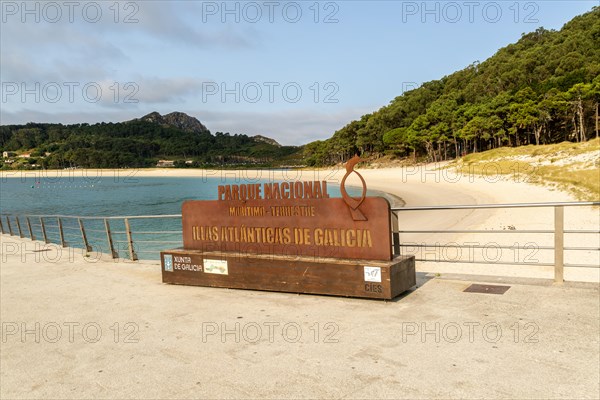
{"type": "Point", "coordinates": [431, 185]}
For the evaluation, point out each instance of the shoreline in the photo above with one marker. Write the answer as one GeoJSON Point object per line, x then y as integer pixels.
{"type": "Point", "coordinates": [425, 186]}
{"type": "Point", "coordinates": [431, 173]}
{"type": "Point", "coordinates": [251, 175]}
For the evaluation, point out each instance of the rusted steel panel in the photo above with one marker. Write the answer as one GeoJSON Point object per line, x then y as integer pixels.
{"type": "Point", "coordinates": [352, 278]}
{"type": "Point", "coordinates": [290, 237]}
{"type": "Point", "coordinates": [293, 227]}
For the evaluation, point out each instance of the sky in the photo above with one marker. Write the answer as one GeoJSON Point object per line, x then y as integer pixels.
{"type": "Point", "coordinates": [292, 71]}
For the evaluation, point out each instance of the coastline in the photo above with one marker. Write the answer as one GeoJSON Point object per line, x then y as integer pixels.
{"type": "Point", "coordinates": [396, 181]}
{"type": "Point", "coordinates": [428, 185]}
{"type": "Point", "coordinates": [333, 176]}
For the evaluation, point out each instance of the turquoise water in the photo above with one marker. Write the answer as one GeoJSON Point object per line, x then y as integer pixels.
{"type": "Point", "coordinates": [106, 196]}
{"type": "Point", "coordinates": [111, 195]}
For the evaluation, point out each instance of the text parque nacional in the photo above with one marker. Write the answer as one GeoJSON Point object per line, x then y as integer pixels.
{"type": "Point", "coordinates": [274, 191]}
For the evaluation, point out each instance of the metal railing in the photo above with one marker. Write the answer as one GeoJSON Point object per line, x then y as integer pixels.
{"type": "Point", "coordinates": [558, 232]}
{"type": "Point", "coordinates": [99, 234]}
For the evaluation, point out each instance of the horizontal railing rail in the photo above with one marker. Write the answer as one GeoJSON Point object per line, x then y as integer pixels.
{"type": "Point", "coordinates": [558, 248]}
{"type": "Point", "coordinates": [101, 218]}
{"type": "Point", "coordinates": [506, 205]}
{"type": "Point", "coordinates": [94, 233]}
{"type": "Point", "coordinates": [118, 235]}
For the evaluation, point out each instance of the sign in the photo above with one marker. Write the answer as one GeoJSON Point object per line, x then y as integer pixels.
{"type": "Point", "coordinates": [215, 267]}
{"type": "Point", "coordinates": [291, 219]}
{"type": "Point", "coordinates": [319, 228]}
{"type": "Point", "coordinates": [290, 237]}
{"type": "Point", "coordinates": [372, 274]}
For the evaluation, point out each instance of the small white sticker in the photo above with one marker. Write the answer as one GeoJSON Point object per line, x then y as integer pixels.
{"type": "Point", "coordinates": [372, 274]}
{"type": "Point", "coordinates": [216, 267]}
{"type": "Point", "coordinates": [168, 262]}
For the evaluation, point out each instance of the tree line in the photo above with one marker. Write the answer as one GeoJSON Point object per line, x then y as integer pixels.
{"type": "Point", "coordinates": [135, 144]}
{"type": "Point", "coordinates": [543, 89]}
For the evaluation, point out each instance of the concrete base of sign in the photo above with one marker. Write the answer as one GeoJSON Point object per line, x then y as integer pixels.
{"type": "Point", "coordinates": [339, 277]}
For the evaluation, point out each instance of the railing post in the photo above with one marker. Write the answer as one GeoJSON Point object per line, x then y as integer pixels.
{"type": "Point", "coordinates": [31, 235]}
{"type": "Point", "coordinates": [559, 241]}
{"type": "Point", "coordinates": [83, 236]}
{"type": "Point", "coordinates": [10, 231]}
{"type": "Point", "coordinates": [109, 239]}
{"type": "Point", "coordinates": [1, 226]}
{"type": "Point", "coordinates": [132, 254]}
{"type": "Point", "coordinates": [19, 227]}
{"type": "Point", "coordinates": [395, 234]}
{"type": "Point", "coordinates": [43, 226]}
{"type": "Point", "coordinates": [61, 233]}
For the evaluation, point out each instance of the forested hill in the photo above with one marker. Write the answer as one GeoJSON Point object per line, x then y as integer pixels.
{"type": "Point", "coordinates": [141, 142]}
{"type": "Point", "coordinates": [543, 89]}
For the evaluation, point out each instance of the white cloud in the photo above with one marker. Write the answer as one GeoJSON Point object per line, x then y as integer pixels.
{"type": "Point", "coordinates": [157, 58]}
{"type": "Point", "coordinates": [294, 127]}
{"type": "Point", "coordinates": [288, 128]}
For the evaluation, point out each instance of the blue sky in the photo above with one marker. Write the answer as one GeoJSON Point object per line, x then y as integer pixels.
{"type": "Point", "coordinates": [293, 71]}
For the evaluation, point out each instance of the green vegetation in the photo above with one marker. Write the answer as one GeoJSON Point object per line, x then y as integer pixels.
{"type": "Point", "coordinates": [137, 143]}
{"type": "Point", "coordinates": [574, 167]}
{"type": "Point", "coordinates": [543, 89]}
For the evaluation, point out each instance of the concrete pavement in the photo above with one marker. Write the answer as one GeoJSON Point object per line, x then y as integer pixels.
{"type": "Point", "coordinates": [75, 327]}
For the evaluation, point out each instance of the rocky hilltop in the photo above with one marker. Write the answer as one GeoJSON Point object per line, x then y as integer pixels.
{"type": "Point", "coordinates": [174, 140]}
{"type": "Point", "coordinates": [272, 142]}
{"type": "Point", "coordinates": [178, 120]}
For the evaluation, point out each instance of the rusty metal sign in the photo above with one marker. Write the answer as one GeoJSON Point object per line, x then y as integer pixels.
{"type": "Point", "coordinates": [290, 219]}
{"type": "Point", "coordinates": [320, 228]}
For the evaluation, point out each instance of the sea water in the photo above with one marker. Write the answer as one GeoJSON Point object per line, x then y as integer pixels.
{"type": "Point", "coordinates": [111, 195]}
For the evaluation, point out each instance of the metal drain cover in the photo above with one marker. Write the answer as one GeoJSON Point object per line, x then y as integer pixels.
{"type": "Point", "coordinates": [489, 289]}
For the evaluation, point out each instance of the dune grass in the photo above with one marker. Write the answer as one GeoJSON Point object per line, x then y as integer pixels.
{"type": "Point", "coordinates": [573, 167]}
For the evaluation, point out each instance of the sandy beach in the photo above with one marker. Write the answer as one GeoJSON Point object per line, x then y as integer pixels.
{"type": "Point", "coordinates": [432, 185]}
